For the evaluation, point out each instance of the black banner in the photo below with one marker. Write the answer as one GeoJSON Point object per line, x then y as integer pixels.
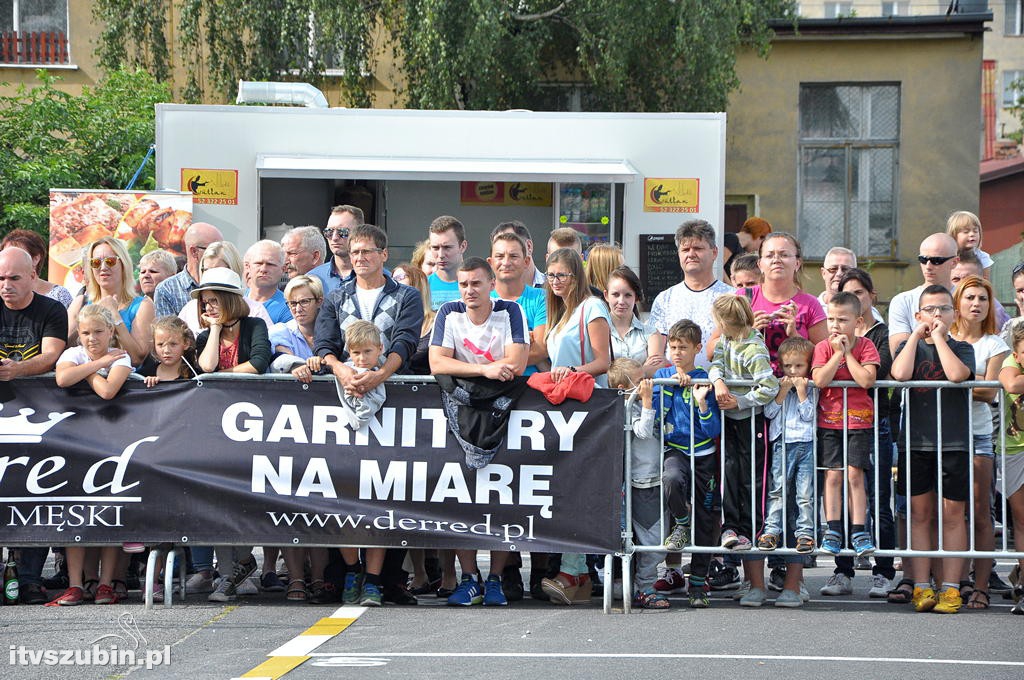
{"type": "Point", "coordinates": [268, 462]}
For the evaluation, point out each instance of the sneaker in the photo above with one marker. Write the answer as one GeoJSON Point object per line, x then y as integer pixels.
{"type": "Point", "coordinates": [804, 595]}
{"type": "Point", "coordinates": [880, 586]}
{"type": "Point", "coordinates": [679, 537]}
{"type": "Point", "coordinates": [271, 583]}
{"type": "Point", "coordinates": [133, 547]}
{"type": "Point", "coordinates": [493, 594]}
{"type": "Point", "coordinates": [741, 591]}
{"type": "Point", "coordinates": [223, 591]}
{"type": "Point", "coordinates": [742, 543]}
{"type": "Point", "coordinates": [1018, 608]}
{"type": "Point", "coordinates": [805, 546]}
{"type": "Point", "coordinates": [755, 597]}
{"type": "Point", "coordinates": [248, 587]}
{"type": "Point", "coordinates": [698, 597]}
{"type": "Point", "coordinates": [776, 579]}
{"type": "Point", "coordinates": [789, 598]}
{"type": "Point", "coordinates": [672, 582]}
{"type": "Point", "coordinates": [924, 599]}
{"type": "Point", "coordinates": [863, 563]}
{"type": "Point", "coordinates": [617, 589]}
{"type": "Point", "coordinates": [158, 592]}
{"type": "Point", "coordinates": [32, 593]}
{"type": "Point", "coordinates": [838, 584]}
{"type": "Point", "coordinates": [201, 582]}
{"type": "Point", "coordinates": [949, 602]}
{"type": "Point", "coordinates": [468, 592]}
{"type": "Point", "coordinates": [400, 595]}
{"type": "Point", "coordinates": [512, 584]}
{"type": "Point", "coordinates": [862, 544]}
{"type": "Point", "coordinates": [998, 586]}
{"type": "Point", "coordinates": [69, 598]}
{"type": "Point", "coordinates": [729, 539]}
{"type": "Point", "coordinates": [105, 595]}
{"type": "Point", "coordinates": [832, 543]}
{"type": "Point", "coordinates": [370, 595]}
{"type": "Point", "coordinates": [353, 587]}
{"type": "Point", "coordinates": [724, 577]}
{"type": "Point", "coordinates": [768, 542]}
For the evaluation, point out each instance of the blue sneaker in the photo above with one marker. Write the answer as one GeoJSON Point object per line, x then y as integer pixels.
{"type": "Point", "coordinates": [353, 588]}
{"type": "Point", "coordinates": [468, 592]}
{"type": "Point", "coordinates": [494, 596]}
{"type": "Point", "coordinates": [832, 543]}
{"type": "Point", "coordinates": [862, 543]}
{"type": "Point", "coordinates": [371, 595]}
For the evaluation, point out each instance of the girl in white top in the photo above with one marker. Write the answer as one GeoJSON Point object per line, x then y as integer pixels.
{"type": "Point", "coordinates": [104, 368]}
{"type": "Point", "coordinates": [629, 337]}
{"type": "Point", "coordinates": [976, 323]}
{"type": "Point", "coordinates": [571, 308]}
{"type": "Point", "coordinates": [965, 227]}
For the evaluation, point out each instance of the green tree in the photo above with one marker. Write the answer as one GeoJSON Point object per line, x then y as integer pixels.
{"type": "Point", "coordinates": [656, 55]}
{"type": "Point", "coordinates": [51, 139]}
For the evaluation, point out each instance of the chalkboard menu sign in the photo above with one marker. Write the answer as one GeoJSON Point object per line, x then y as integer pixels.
{"type": "Point", "coordinates": [659, 264]}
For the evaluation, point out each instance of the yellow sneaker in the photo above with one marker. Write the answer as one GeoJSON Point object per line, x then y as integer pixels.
{"type": "Point", "coordinates": [924, 599]}
{"type": "Point", "coordinates": [949, 602]}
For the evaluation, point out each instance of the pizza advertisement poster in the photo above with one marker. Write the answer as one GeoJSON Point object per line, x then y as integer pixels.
{"type": "Point", "coordinates": [145, 221]}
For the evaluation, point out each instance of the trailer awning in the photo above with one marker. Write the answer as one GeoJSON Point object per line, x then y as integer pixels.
{"type": "Point", "coordinates": [445, 169]}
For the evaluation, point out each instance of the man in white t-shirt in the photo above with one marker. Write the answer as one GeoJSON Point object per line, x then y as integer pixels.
{"type": "Point", "coordinates": [479, 337]}
{"type": "Point", "coordinates": [691, 299]}
{"type": "Point", "coordinates": [447, 244]}
{"type": "Point", "coordinates": [937, 256]}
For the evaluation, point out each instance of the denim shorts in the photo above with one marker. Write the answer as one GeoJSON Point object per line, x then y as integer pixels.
{"type": "Point", "coordinates": [983, 446]}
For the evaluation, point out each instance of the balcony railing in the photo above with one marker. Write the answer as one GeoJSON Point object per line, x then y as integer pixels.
{"type": "Point", "coordinates": [36, 47]}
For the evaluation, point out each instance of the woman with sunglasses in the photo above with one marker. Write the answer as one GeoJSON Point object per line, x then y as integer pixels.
{"type": "Point", "coordinates": [109, 282]}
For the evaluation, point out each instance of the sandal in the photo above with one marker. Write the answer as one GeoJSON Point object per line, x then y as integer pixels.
{"type": "Point", "coordinates": [296, 590]}
{"type": "Point", "coordinates": [651, 599]}
{"type": "Point", "coordinates": [903, 593]}
{"type": "Point", "coordinates": [966, 589]}
{"type": "Point", "coordinates": [89, 590]}
{"type": "Point", "coordinates": [120, 587]}
{"type": "Point", "coordinates": [975, 600]}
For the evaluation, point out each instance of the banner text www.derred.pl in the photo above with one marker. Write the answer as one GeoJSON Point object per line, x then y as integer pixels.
{"type": "Point", "coordinates": [389, 522]}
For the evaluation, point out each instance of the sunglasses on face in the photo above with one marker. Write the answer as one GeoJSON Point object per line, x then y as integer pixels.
{"type": "Point", "coordinates": [936, 261]}
{"type": "Point", "coordinates": [97, 262]}
{"type": "Point", "coordinates": [341, 232]}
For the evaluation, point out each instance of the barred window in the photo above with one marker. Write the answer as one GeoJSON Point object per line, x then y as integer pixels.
{"type": "Point", "coordinates": [849, 156]}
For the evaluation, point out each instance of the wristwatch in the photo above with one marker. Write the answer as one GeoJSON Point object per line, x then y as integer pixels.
{"type": "Point", "coordinates": [572, 369]}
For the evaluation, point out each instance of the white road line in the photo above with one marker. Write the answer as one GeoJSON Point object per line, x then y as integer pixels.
{"type": "Point", "coordinates": [300, 646]}
{"type": "Point", "coordinates": [638, 655]}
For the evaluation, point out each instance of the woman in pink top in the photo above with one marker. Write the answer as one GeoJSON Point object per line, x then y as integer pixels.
{"type": "Point", "coordinates": [781, 308]}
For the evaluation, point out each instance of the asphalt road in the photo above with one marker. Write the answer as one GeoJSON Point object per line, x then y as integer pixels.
{"type": "Point", "coordinates": [834, 637]}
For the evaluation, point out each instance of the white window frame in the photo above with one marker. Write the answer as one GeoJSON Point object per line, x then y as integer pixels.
{"type": "Point", "coordinates": [1013, 24]}
{"type": "Point", "coordinates": [1007, 100]}
{"type": "Point", "coordinates": [16, 27]}
{"type": "Point", "coordinates": [839, 9]}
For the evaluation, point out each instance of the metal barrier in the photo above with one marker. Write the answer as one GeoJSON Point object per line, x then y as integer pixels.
{"type": "Point", "coordinates": [901, 390]}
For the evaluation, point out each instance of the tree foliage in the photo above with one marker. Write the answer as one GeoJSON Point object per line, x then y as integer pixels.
{"type": "Point", "coordinates": [50, 139]}
{"type": "Point", "coordinates": [656, 55]}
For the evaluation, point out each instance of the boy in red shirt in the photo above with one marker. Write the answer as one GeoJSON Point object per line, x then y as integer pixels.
{"type": "Point", "coordinates": [844, 356]}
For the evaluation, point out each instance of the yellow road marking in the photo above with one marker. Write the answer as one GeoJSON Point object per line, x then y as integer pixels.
{"type": "Point", "coordinates": [328, 626]}
{"type": "Point", "coordinates": [295, 652]}
{"type": "Point", "coordinates": [275, 667]}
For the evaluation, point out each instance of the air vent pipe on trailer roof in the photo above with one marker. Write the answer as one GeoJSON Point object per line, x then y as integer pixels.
{"type": "Point", "coordinates": [294, 94]}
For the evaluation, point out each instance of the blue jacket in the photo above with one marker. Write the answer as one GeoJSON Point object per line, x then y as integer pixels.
{"type": "Point", "coordinates": [676, 415]}
{"type": "Point", "coordinates": [398, 313]}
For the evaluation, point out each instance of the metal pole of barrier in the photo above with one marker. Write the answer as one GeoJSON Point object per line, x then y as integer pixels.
{"type": "Point", "coordinates": [753, 476]}
{"type": "Point", "coordinates": [172, 553]}
{"type": "Point", "coordinates": [606, 593]}
{"type": "Point", "coordinates": [846, 468]}
{"type": "Point", "coordinates": [693, 472]}
{"type": "Point", "coordinates": [1002, 461]}
{"type": "Point", "coordinates": [784, 474]}
{"type": "Point", "coordinates": [151, 568]}
{"type": "Point", "coordinates": [627, 530]}
{"type": "Point", "coordinates": [876, 506]}
{"type": "Point", "coordinates": [905, 396]}
{"type": "Point", "coordinates": [970, 469]}
{"type": "Point", "coordinates": [938, 501]}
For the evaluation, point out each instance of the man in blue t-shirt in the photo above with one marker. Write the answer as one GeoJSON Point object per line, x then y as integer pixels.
{"type": "Point", "coordinates": [447, 244]}
{"type": "Point", "coordinates": [265, 262]}
{"type": "Point", "coordinates": [509, 259]}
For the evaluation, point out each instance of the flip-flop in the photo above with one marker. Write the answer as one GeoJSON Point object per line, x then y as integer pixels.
{"type": "Point", "coordinates": [903, 593]}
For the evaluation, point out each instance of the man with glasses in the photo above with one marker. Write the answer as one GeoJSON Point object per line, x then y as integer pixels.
{"type": "Point", "coordinates": [304, 250]}
{"type": "Point", "coordinates": [397, 311]}
{"type": "Point", "coordinates": [837, 262]}
{"type": "Point", "coordinates": [33, 333]}
{"type": "Point", "coordinates": [173, 293]}
{"type": "Point", "coordinates": [343, 219]}
{"type": "Point", "coordinates": [937, 257]}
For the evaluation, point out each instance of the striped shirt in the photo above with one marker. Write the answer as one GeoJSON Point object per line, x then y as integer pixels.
{"type": "Point", "coordinates": [745, 359]}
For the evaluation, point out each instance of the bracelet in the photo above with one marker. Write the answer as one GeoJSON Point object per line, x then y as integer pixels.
{"type": "Point", "coordinates": [572, 369]}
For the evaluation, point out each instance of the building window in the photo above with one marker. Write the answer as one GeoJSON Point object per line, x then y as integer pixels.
{"type": "Point", "coordinates": [1014, 17]}
{"type": "Point", "coordinates": [896, 9]}
{"type": "Point", "coordinates": [835, 10]}
{"type": "Point", "coordinates": [849, 156]}
{"type": "Point", "coordinates": [1013, 89]}
{"type": "Point", "coordinates": [34, 32]}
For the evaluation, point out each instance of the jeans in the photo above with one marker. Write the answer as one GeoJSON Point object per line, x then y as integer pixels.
{"type": "Point", "coordinates": [30, 565]}
{"type": "Point", "coordinates": [202, 558]}
{"type": "Point", "coordinates": [799, 482]}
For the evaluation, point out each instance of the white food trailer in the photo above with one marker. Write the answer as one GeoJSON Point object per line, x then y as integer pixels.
{"type": "Point", "coordinates": [614, 177]}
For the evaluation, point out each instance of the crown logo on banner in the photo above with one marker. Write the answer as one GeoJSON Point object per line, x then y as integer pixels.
{"type": "Point", "coordinates": [20, 430]}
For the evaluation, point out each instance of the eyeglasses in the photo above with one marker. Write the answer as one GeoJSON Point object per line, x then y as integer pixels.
{"type": "Point", "coordinates": [97, 262]}
{"type": "Point", "coordinates": [365, 252]}
{"type": "Point", "coordinates": [304, 302]}
{"type": "Point", "coordinates": [936, 261]}
{"type": "Point", "coordinates": [340, 232]}
{"type": "Point", "coordinates": [399, 277]}
{"type": "Point", "coordinates": [560, 276]}
{"type": "Point", "coordinates": [937, 309]}
{"type": "Point", "coordinates": [209, 302]}
{"type": "Point", "coordinates": [838, 268]}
